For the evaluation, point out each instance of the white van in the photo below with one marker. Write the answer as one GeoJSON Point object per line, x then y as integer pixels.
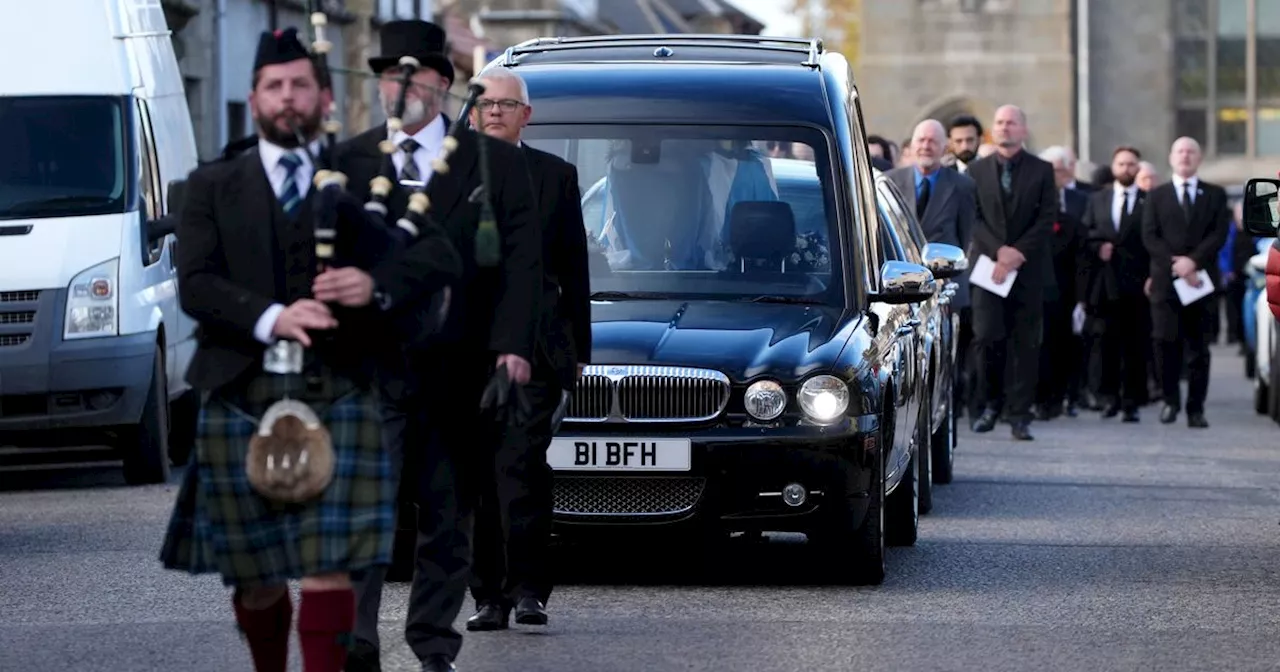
{"type": "Point", "coordinates": [94, 133]}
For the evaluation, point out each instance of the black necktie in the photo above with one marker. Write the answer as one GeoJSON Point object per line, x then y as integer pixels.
{"type": "Point", "coordinates": [1124, 210]}
{"type": "Point", "coordinates": [1006, 176]}
{"type": "Point", "coordinates": [1186, 200]}
{"type": "Point", "coordinates": [922, 201]}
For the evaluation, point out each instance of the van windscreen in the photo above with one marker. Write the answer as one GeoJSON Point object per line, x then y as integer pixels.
{"type": "Point", "coordinates": [63, 156]}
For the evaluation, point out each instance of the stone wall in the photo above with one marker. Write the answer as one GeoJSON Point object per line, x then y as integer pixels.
{"type": "Point", "coordinates": [921, 57]}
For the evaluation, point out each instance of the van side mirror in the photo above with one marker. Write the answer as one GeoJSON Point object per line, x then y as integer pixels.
{"type": "Point", "coordinates": [1262, 207]}
{"type": "Point", "coordinates": [903, 282]}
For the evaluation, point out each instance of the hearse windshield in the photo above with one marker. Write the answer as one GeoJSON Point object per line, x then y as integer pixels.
{"type": "Point", "coordinates": [718, 212]}
{"type": "Point", "coordinates": [63, 156]}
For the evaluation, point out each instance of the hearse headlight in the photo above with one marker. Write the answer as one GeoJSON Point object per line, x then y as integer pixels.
{"type": "Point", "coordinates": [765, 400]}
{"type": "Point", "coordinates": [93, 300]}
{"type": "Point", "coordinates": [824, 398]}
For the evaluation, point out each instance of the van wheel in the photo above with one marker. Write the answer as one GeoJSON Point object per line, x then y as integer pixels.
{"type": "Point", "coordinates": [184, 415]}
{"type": "Point", "coordinates": [145, 446]}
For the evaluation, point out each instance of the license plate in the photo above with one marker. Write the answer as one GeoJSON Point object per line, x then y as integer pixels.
{"type": "Point", "coordinates": [619, 454]}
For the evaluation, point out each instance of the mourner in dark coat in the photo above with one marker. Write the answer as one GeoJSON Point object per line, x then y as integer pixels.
{"type": "Point", "coordinates": [493, 320]}
{"type": "Point", "coordinates": [1060, 349]}
{"type": "Point", "coordinates": [1184, 224]}
{"type": "Point", "coordinates": [247, 275]}
{"type": "Point", "coordinates": [513, 519]}
{"type": "Point", "coordinates": [1017, 206]}
{"type": "Point", "coordinates": [1113, 294]}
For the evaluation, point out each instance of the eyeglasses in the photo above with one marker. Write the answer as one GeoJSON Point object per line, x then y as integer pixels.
{"type": "Point", "coordinates": [506, 104]}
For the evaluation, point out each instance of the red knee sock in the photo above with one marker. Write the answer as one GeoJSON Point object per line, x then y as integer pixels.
{"type": "Point", "coordinates": [267, 631]}
{"type": "Point", "coordinates": [325, 621]}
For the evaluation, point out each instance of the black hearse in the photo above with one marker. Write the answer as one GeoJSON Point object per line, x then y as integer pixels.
{"type": "Point", "coordinates": [750, 357]}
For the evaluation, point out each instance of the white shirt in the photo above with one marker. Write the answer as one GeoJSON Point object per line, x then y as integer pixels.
{"type": "Point", "coordinates": [1117, 201]}
{"type": "Point", "coordinates": [1192, 183]}
{"type": "Point", "coordinates": [276, 174]}
{"type": "Point", "coordinates": [430, 140]}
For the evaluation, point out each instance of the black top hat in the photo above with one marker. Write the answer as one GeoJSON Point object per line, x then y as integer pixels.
{"type": "Point", "coordinates": [279, 46]}
{"type": "Point", "coordinates": [422, 40]}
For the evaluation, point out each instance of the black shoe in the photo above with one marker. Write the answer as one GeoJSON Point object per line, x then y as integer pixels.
{"type": "Point", "coordinates": [438, 663]}
{"type": "Point", "coordinates": [529, 611]}
{"type": "Point", "coordinates": [1130, 416]}
{"type": "Point", "coordinates": [1072, 411]}
{"type": "Point", "coordinates": [1111, 411]}
{"type": "Point", "coordinates": [985, 422]}
{"type": "Point", "coordinates": [1197, 421]}
{"type": "Point", "coordinates": [1022, 431]}
{"type": "Point", "coordinates": [1168, 414]}
{"type": "Point", "coordinates": [363, 657]}
{"type": "Point", "coordinates": [490, 616]}
{"type": "Point", "coordinates": [1043, 412]}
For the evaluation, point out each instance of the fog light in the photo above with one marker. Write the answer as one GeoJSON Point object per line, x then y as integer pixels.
{"type": "Point", "coordinates": [794, 494]}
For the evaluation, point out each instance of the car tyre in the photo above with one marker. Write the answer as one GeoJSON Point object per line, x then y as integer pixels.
{"type": "Point", "coordinates": [1261, 404]}
{"type": "Point", "coordinates": [924, 457]}
{"type": "Point", "coordinates": [942, 447]}
{"type": "Point", "coordinates": [902, 509]}
{"type": "Point", "coordinates": [856, 553]}
{"type": "Point", "coordinates": [145, 446]}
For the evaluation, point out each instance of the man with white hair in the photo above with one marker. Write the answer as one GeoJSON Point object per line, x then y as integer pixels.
{"type": "Point", "coordinates": [513, 511]}
{"type": "Point", "coordinates": [1183, 226]}
{"type": "Point", "coordinates": [1060, 350]}
{"type": "Point", "coordinates": [1148, 176]}
{"type": "Point", "coordinates": [944, 203]}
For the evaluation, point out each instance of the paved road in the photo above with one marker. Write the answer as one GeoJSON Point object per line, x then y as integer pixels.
{"type": "Point", "coordinates": [1098, 547]}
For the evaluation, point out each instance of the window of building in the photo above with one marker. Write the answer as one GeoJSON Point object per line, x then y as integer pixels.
{"type": "Point", "coordinates": [1227, 60]}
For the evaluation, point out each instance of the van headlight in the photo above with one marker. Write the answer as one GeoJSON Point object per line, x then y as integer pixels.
{"type": "Point", "coordinates": [765, 400]}
{"type": "Point", "coordinates": [824, 398]}
{"type": "Point", "coordinates": [93, 301]}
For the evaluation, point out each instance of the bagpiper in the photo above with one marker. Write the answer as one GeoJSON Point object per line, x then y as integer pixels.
{"type": "Point", "coordinates": [290, 480]}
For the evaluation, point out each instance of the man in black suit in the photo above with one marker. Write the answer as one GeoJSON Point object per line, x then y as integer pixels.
{"type": "Point", "coordinates": [247, 270]}
{"type": "Point", "coordinates": [1017, 205]}
{"type": "Point", "coordinates": [1060, 350]}
{"type": "Point", "coordinates": [1113, 291]}
{"type": "Point", "coordinates": [513, 516]}
{"type": "Point", "coordinates": [1184, 225]}
{"type": "Point", "coordinates": [492, 322]}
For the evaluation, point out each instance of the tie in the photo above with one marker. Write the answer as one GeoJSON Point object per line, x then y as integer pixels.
{"type": "Point", "coordinates": [1186, 200]}
{"type": "Point", "coordinates": [410, 170]}
{"type": "Point", "coordinates": [922, 201]}
{"type": "Point", "coordinates": [290, 198]}
{"type": "Point", "coordinates": [1006, 177]}
{"type": "Point", "coordinates": [1124, 210]}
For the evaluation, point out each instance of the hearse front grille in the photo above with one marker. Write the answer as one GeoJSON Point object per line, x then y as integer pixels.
{"type": "Point", "coordinates": [608, 393]}
{"type": "Point", "coordinates": [626, 495]}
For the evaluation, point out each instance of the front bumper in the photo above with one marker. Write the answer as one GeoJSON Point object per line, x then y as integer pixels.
{"type": "Point", "coordinates": [48, 384]}
{"type": "Point", "coordinates": [735, 481]}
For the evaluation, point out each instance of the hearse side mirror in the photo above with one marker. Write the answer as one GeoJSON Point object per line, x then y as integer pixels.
{"type": "Point", "coordinates": [1262, 207]}
{"type": "Point", "coordinates": [945, 261]}
{"type": "Point", "coordinates": [903, 282]}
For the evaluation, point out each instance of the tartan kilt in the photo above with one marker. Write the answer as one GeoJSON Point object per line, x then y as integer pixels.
{"type": "Point", "coordinates": [220, 524]}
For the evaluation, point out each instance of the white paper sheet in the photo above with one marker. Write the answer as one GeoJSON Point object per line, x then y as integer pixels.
{"type": "Point", "coordinates": [981, 276]}
{"type": "Point", "coordinates": [1188, 294]}
{"type": "Point", "coordinates": [1077, 319]}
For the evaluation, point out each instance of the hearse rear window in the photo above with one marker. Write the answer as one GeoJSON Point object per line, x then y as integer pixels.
{"type": "Point", "coordinates": [63, 156]}
{"type": "Point", "coordinates": [729, 212]}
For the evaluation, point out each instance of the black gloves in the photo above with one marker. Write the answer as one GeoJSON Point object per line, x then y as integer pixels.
{"type": "Point", "coordinates": [506, 399]}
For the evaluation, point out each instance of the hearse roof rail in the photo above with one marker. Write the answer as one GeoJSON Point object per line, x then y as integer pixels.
{"type": "Point", "coordinates": [811, 47]}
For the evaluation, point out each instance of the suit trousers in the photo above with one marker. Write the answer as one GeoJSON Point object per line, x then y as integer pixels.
{"type": "Point", "coordinates": [1189, 346]}
{"type": "Point", "coordinates": [1124, 351]}
{"type": "Point", "coordinates": [1059, 357]}
{"type": "Point", "coordinates": [513, 511]}
{"type": "Point", "coordinates": [1008, 334]}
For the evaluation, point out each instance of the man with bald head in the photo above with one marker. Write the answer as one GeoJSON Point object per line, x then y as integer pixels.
{"type": "Point", "coordinates": [1184, 225]}
{"type": "Point", "coordinates": [1017, 207]}
{"type": "Point", "coordinates": [944, 202]}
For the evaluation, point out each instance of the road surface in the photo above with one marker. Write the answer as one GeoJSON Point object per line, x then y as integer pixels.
{"type": "Point", "coordinates": [1099, 546]}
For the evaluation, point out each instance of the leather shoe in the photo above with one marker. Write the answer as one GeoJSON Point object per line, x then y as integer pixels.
{"type": "Point", "coordinates": [1130, 416]}
{"type": "Point", "coordinates": [529, 611]}
{"type": "Point", "coordinates": [438, 663]}
{"type": "Point", "coordinates": [490, 616]}
{"type": "Point", "coordinates": [1197, 421]}
{"type": "Point", "coordinates": [363, 657]}
{"type": "Point", "coordinates": [1022, 431]}
{"type": "Point", "coordinates": [985, 422]}
{"type": "Point", "coordinates": [1168, 414]}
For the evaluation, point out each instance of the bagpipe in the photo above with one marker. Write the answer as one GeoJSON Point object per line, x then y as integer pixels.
{"type": "Point", "coordinates": [291, 456]}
